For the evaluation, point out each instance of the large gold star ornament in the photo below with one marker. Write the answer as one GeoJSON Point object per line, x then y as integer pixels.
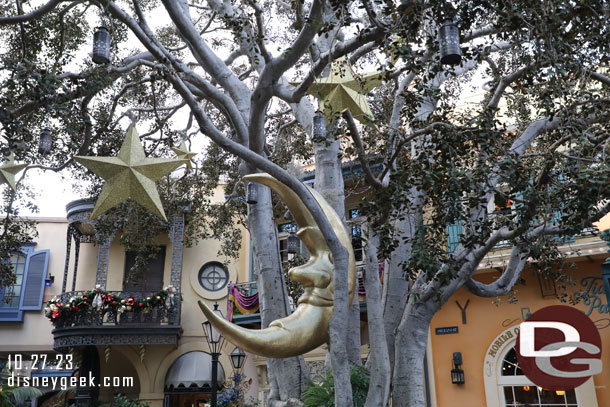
{"type": "Point", "coordinates": [8, 170]}
{"type": "Point", "coordinates": [130, 175]}
{"type": "Point", "coordinates": [341, 91]}
{"type": "Point", "coordinates": [183, 153]}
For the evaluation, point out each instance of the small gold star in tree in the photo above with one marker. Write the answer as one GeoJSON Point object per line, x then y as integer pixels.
{"type": "Point", "coordinates": [8, 170]}
{"type": "Point", "coordinates": [130, 175]}
{"type": "Point", "coordinates": [183, 153]}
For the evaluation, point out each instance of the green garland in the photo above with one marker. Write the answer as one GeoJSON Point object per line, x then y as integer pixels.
{"type": "Point", "coordinates": [58, 311]}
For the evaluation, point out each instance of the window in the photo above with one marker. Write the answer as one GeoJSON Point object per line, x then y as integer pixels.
{"type": "Point", "coordinates": [283, 232]}
{"type": "Point", "coordinates": [26, 293]}
{"type": "Point", "coordinates": [152, 279]}
{"type": "Point", "coordinates": [519, 391]}
{"type": "Point", "coordinates": [12, 294]}
{"type": "Point", "coordinates": [502, 204]}
{"type": "Point", "coordinates": [213, 276]}
{"type": "Point", "coordinates": [354, 221]}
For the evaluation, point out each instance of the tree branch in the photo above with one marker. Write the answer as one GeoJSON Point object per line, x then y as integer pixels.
{"type": "Point", "coordinates": [506, 282]}
{"type": "Point", "coordinates": [353, 130]}
{"type": "Point", "coordinates": [40, 11]}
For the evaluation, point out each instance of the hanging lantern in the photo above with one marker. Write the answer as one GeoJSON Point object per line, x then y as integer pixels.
{"type": "Point", "coordinates": [449, 34]}
{"type": "Point", "coordinates": [101, 46]}
{"type": "Point", "coordinates": [293, 243]}
{"type": "Point", "coordinates": [46, 142]}
{"type": "Point", "coordinates": [319, 127]}
{"type": "Point", "coordinates": [252, 193]}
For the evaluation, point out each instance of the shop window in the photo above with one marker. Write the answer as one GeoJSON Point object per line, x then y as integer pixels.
{"type": "Point", "coordinates": [519, 391]}
{"type": "Point", "coordinates": [26, 293]}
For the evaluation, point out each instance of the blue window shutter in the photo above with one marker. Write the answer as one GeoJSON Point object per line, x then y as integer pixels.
{"type": "Point", "coordinates": [34, 277]}
{"type": "Point", "coordinates": [454, 232]}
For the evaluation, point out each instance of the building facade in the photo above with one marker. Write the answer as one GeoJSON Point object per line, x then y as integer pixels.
{"type": "Point", "coordinates": [151, 344]}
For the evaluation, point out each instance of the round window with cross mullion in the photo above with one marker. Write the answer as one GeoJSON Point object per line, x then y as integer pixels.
{"type": "Point", "coordinates": [213, 276]}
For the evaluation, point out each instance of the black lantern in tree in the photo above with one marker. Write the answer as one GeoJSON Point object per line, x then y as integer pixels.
{"type": "Point", "coordinates": [46, 142]}
{"type": "Point", "coordinates": [457, 374]}
{"type": "Point", "coordinates": [238, 358]}
{"type": "Point", "coordinates": [101, 46]}
{"type": "Point", "coordinates": [449, 40]}
{"type": "Point", "coordinates": [293, 243]}
{"type": "Point", "coordinates": [252, 193]}
{"type": "Point", "coordinates": [319, 127]}
{"type": "Point", "coordinates": [215, 343]}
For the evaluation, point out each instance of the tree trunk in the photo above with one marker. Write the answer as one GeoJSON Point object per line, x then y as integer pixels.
{"type": "Point", "coordinates": [411, 339]}
{"type": "Point", "coordinates": [287, 377]}
{"type": "Point", "coordinates": [329, 183]}
{"type": "Point", "coordinates": [379, 360]}
{"type": "Point", "coordinates": [396, 284]}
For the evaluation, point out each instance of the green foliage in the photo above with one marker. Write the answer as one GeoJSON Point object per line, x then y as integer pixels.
{"type": "Point", "coordinates": [15, 396]}
{"type": "Point", "coordinates": [322, 394]}
{"type": "Point", "coordinates": [120, 400]}
{"type": "Point", "coordinates": [14, 234]}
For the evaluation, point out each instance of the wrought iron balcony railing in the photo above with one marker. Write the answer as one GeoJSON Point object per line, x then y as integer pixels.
{"type": "Point", "coordinates": [114, 324]}
{"type": "Point", "coordinates": [166, 314]}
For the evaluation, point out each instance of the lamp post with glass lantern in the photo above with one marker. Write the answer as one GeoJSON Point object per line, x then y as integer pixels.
{"type": "Point", "coordinates": [238, 358]}
{"type": "Point", "coordinates": [215, 343]}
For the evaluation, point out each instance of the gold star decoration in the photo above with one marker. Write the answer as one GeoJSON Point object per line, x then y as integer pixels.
{"type": "Point", "coordinates": [341, 91]}
{"type": "Point", "coordinates": [8, 170]}
{"type": "Point", "coordinates": [183, 153]}
{"type": "Point", "coordinates": [130, 175]}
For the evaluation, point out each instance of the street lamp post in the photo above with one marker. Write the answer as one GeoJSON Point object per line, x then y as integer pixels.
{"type": "Point", "coordinates": [238, 358]}
{"type": "Point", "coordinates": [215, 343]}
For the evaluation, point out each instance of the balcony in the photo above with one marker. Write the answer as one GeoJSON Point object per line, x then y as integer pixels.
{"type": "Point", "coordinates": [104, 326]}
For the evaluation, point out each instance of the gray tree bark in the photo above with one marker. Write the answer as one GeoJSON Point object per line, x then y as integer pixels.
{"type": "Point", "coordinates": [411, 340]}
{"type": "Point", "coordinates": [287, 377]}
{"type": "Point", "coordinates": [379, 360]}
{"type": "Point", "coordinates": [329, 182]}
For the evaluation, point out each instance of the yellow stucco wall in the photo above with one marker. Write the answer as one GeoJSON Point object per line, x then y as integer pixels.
{"type": "Point", "coordinates": [485, 321]}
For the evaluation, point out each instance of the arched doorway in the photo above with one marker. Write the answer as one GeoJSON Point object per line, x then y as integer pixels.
{"type": "Point", "coordinates": [188, 382]}
{"type": "Point", "coordinates": [507, 386]}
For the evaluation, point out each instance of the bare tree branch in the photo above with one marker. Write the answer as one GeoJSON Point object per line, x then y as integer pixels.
{"type": "Point", "coordinates": [506, 282]}
{"type": "Point", "coordinates": [353, 130]}
{"type": "Point", "coordinates": [40, 11]}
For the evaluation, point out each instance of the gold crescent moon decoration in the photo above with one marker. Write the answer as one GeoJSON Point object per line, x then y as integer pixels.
{"type": "Point", "coordinates": [307, 327]}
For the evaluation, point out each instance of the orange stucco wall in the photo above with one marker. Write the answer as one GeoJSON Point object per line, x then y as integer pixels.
{"type": "Point", "coordinates": [485, 321]}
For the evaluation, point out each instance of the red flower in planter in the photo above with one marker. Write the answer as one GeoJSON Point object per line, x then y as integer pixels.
{"type": "Point", "coordinates": [55, 313]}
{"type": "Point", "coordinates": [131, 301]}
{"type": "Point", "coordinates": [140, 304]}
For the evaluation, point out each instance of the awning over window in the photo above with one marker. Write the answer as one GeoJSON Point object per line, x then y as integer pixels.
{"type": "Point", "coordinates": [193, 369]}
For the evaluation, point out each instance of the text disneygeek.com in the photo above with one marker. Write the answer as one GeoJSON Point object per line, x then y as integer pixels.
{"type": "Point", "coordinates": [64, 383]}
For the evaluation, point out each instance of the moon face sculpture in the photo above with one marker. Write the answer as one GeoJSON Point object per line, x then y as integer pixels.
{"type": "Point", "coordinates": [307, 327]}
